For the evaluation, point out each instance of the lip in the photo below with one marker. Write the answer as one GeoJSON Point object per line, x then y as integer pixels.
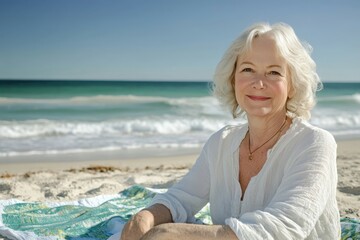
{"type": "Point", "coordinates": [258, 98]}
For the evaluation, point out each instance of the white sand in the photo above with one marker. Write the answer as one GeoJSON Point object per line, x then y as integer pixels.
{"type": "Point", "coordinates": [44, 181]}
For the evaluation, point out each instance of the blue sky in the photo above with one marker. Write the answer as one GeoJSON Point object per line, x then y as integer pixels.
{"type": "Point", "coordinates": [162, 39]}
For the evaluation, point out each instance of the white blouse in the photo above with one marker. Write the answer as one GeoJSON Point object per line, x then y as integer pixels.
{"type": "Point", "coordinates": [292, 197]}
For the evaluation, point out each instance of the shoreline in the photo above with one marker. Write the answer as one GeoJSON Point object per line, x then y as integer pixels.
{"type": "Point", "coordinates": [347, 148]}
{"type": "Point", "coordinates": [118, 159]}
{"type": "Point", "coordinates": [123, 164]}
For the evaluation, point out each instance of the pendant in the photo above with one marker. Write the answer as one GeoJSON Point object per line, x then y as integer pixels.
{"type": "Point", "coordinates": [250, 157]}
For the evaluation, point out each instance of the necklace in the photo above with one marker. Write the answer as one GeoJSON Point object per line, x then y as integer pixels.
{"type": "Point", "coordinates": [251, 152]}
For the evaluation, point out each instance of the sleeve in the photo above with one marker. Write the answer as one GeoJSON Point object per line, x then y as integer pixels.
{"type": "Point", "coordinates": [309, 180]}
{"type": "Point", "coordinates": [190, 194]}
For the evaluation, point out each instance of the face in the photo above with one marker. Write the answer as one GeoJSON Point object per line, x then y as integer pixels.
{"type": "Point", "coordinates": [262, 80]}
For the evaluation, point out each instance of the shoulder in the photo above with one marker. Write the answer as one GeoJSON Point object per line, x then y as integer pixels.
{"type": "Point", "coordinates": [306, 142]}
{"type": "Point", "coordinates": [307, 148]}
{"type": "Point", "coordinates": [229, 132]}
{"type": "Point", "coordinates": [304, 132]}
{"type": "Point", "coordinates": [227, 137]}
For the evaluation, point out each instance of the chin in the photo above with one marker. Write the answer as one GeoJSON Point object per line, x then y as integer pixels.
{"type": "Point", "coordinates": [259, 113]}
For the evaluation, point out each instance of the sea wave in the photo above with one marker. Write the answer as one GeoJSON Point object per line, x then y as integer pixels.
{"type": "Point", "coordinates": [337, 123]}
{"type": "Point", "coordinates": [354, 98]}
{"type": "Point", "coordinates": [162, 125]}
{"type": "Point", "coordinates": [46, 128]}
{"type": "Point", "coordinates": [102, 149]}
{"type": "Point", "coordinates": [105, 99]}
{"type": "Point", "coordinates": [81, 100]}
{"type": "Point", "coordinates": [116, 99]}
{"type": "Point", "coordinates": [160, 122]}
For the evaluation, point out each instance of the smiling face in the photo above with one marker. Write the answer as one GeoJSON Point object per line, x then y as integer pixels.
{"type": "Point", "coordinates": [262, 79]}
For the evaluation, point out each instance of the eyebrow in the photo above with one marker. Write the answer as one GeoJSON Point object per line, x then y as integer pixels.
{"type": "Point", "coordinates": [271, 66]}
{"type": "Point", "coordinates": [246, 63]}
{"type": "Point", "coordinates": [274, 65]}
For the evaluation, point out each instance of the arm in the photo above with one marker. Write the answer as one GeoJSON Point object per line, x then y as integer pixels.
{"type": "Point", "coordinates": [144, 220]}
{"type": "Point", "coordinates": [190, 232]}
{"type": "Point", "coordinates": [178, 204]}
{"type": "Point", "coordinates": [188, 196]}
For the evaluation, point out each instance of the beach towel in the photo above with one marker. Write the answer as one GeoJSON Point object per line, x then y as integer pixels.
{"type": "Point", "coordinates": [91, 219]}
{"type": "Point", "coordinates": [96, 218]}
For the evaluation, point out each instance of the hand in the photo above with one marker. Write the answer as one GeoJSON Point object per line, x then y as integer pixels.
{"type": "Point", "coordinates": [137, 226]}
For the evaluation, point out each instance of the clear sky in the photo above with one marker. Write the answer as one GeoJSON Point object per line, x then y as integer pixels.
{"type": "Point", "coordinates": [163, 39]}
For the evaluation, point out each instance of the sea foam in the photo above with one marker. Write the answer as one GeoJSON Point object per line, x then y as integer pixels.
{"type": "Point", "coordinates": [103, 122]}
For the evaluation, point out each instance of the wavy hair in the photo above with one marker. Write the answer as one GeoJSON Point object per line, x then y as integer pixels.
{"type": "Point", "coordinates": [303, 77]}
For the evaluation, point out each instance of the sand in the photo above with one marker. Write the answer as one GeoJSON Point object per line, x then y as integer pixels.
{"type": "Point", "coordinates": [54, 181]}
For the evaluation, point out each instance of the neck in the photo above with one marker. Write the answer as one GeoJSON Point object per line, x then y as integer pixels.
{"type": "Point", "coordinates": [261, 129]}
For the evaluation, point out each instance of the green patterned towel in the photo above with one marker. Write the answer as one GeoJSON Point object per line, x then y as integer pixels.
{"type": "Point", "coordinates": [93, 218]}
{"type": "Point", "coordinates": [350, 229]}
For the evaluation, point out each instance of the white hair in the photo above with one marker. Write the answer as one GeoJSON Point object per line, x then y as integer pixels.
{"type": "Point", "coordinates": [304, 80]}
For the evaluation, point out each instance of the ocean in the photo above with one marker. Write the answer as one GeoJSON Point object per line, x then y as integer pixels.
{"type": "Point", "coordinates": [58, 117]}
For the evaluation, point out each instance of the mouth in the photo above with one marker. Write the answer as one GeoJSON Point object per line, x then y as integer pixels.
{"type": "Point", "coordinates": [257, 98]}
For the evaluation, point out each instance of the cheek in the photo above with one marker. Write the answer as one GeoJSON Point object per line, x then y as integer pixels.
{"type": "Point", "coordinates": [240, 82]}
{"type": "Point", "coordinates": [238, 86]}
{"type": "Point", "coordinates": [283, 92]}
{"type": "Point", "coordinates": [239, 90]}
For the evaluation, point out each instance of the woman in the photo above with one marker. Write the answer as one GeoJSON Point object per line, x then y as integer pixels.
{"type": "Point", "coordinates": [272, 178]}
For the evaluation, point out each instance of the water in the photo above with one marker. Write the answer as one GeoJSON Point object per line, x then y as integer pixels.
{"type": "Point", "coordinates": [55, 117]}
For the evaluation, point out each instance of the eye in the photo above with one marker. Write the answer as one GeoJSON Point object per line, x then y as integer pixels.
{"type": "Point", "coordinates": [275, 73]}
{"type": "Point", "coordinates": [247, 70]}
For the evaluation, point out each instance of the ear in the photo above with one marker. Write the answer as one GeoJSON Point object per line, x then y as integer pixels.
{"type": "Point", "coordinates": [291, 89]}
{"type": "Point", "coordinates": [291, 92]}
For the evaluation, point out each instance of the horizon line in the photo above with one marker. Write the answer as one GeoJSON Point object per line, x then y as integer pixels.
{"type": "Point", "coordinates": [107, 80]}
{"type": "Point", "coordinates": [145, 80]}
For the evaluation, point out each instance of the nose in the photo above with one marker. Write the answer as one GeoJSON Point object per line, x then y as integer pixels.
{"type": "Point", "coordinates": [258, 83]}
